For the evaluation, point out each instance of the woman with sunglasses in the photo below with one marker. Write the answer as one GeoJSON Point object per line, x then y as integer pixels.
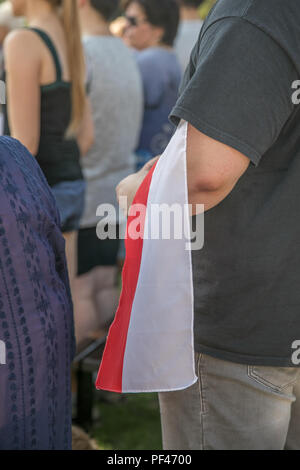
{"type": "Point", "coordinates": [151, 29]}
{"type": "Point", "coordinates": [47, 109]}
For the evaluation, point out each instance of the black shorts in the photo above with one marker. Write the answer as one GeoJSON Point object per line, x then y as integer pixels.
{"type": "Point", "coordinates": [93, 252]}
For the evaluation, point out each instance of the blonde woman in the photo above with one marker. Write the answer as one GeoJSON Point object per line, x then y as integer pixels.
{"type": "Point", "coordinates": [47, 109]}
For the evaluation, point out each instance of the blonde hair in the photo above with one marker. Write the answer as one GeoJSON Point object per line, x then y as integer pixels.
{"type": "Point", "coordinates": [70, 19]}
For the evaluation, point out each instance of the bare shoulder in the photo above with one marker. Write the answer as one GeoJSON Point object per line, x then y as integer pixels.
{"type": "Point", "coordinates": [22, 44]}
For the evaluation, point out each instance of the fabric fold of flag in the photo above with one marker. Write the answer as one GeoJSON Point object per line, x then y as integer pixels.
{"type": "Point", "coordinates": [150, 345]}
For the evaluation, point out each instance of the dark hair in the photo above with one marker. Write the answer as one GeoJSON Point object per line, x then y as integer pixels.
{"type": "Point", "coordinates": [162, 13]}
{"type": "Point", "coordinates": [191, 3]}
{"type": "Point", "coordinates": [107, 8]}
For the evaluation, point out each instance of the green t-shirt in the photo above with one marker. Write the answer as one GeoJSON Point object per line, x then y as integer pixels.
{"type": "Point", "coordinates": [238, 90]}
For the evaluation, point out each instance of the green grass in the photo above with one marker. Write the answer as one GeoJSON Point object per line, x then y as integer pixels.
{"type": "Point", "coordinates": [128, 422]}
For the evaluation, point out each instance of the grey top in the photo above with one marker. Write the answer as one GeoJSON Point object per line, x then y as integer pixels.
{"type": "Point", "coordinates": [188, 33]}
{"type": "Point", "coordinates": [238, 90]}
{"type": "Point", "coordinates": [115, 89]}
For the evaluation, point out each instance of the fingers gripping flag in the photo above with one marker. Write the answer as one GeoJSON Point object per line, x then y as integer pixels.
{"type": "Point", "coordinates": [150, 343]}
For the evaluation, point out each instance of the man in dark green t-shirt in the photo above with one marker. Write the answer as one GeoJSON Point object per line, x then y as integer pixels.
{"type": "Point", "coordinates": [239, 96]}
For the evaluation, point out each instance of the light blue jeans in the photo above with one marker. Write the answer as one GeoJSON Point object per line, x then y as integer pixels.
{"type": "Point", "coordinates": [70, 199]}
{"type": "Point", "coordinates": [233, 407]}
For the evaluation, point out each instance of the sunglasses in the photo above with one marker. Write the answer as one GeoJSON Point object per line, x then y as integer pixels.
{"type": "Point", "coordinates": [134, 21]}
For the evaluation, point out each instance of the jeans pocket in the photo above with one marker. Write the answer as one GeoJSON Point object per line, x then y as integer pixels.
{"type": "Point", "coordinates": [275, 378]}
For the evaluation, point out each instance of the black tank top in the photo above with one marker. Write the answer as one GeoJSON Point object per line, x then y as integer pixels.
{"type": "Point", "coordinates": [58, 157]}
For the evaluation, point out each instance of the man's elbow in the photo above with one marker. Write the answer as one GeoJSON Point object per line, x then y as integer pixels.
{"type": "Point", "coordinates": [210, 184]}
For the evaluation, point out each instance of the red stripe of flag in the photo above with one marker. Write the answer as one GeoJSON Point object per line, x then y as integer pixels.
{"type": "Point", "coordinates": [111, 368]}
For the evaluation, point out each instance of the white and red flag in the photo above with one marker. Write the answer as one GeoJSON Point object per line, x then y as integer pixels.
{"type": "Point", "coordinates": [150, 346]}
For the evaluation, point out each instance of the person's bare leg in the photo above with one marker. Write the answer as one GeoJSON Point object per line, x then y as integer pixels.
{"type": "Point", "coordinates": [85, 313]}
{"type": "Point", "coordinates": [71, 255]}
{"type": "Point", "coordinates": [96, 298]}
{"type": "Point", "coordinates": [107, 292]}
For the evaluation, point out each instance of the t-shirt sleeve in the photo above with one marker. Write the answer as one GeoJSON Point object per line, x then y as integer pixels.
{"type": "Point", "coordinates": [238, 87]}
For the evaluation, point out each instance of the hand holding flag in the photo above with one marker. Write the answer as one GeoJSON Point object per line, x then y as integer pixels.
{"type": "Point", "coordinates": [127, 188]}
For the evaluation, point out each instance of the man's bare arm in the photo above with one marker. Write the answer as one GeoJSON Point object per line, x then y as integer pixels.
{"type": "Point", "coordinates": [213, 169]}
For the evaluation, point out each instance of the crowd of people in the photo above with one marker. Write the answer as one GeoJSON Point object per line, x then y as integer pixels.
{"type": "Point", "coordinates": [88, 95]}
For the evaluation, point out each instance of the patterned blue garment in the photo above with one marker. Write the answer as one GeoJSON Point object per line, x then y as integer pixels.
{"type": "Point", "coordinates": [36, 313]}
